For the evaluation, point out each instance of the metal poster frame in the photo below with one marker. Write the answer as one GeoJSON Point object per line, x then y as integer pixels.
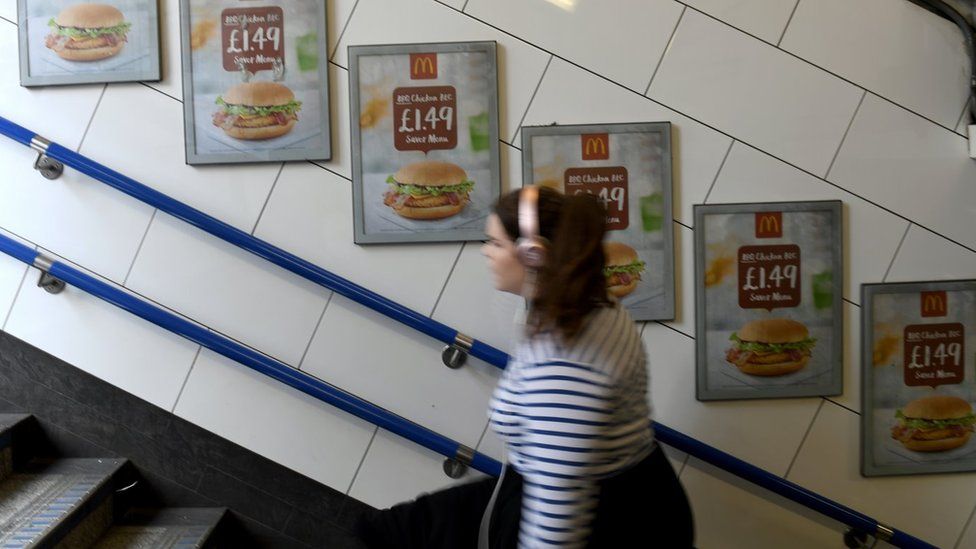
{"type": "Point", "coordinates": [836, 358]}
{"type": "Point", "coordinates": [255, 156]}
{"type": "Point", "coordinates": [355, 54]}
{"type": "Point", "coordinates": [923, 465]}
{"type": "Point", "coordinates": [153, 74]}
{"type": "Point", "coordinates": [529, 133]}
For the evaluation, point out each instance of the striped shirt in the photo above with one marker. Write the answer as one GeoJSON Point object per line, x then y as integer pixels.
{"type": "Point", "coordinates": [572, 415]}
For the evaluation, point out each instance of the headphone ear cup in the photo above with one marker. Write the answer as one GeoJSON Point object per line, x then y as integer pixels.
{"type": "Point", "coordinates": [531, 253]}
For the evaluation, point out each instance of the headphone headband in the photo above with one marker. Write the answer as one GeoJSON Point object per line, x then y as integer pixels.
{"type": "Point", "coordinates": [531, 247]}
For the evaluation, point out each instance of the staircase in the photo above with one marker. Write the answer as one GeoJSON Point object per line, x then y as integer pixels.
{"type": "Point", "coordinates": [86, 502]}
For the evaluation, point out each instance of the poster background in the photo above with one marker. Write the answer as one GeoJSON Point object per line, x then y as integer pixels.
{"type": "Point", "coordinates": [892, 307]}
{"type": "Point", "coordinates": [644, 150]}
{"type": "Point", "coordinates": [721, 231]}
{"type": "Point", "coordinates": [137, 60]}
{"type": "Point", "coordinates": [204, 78]}
{"type": "Point", "coordinates": [375, 71]}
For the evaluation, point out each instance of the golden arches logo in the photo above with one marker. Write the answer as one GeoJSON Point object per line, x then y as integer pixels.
{"type": "Point", "coordinates": [596, 146]}
{"type": "Point", "coordinates": [423, 66]}
{"type": "Point", "coordinates": [769, 225]}
{"type": "Point", "coordinates": [934, 304]}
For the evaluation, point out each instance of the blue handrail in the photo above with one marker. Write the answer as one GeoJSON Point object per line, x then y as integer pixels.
{"type": "Point", "coordinates": [258, 247]}
{"type": "Point", "coordinates": [346, 401]}
{"type": "Point", "coordinates": [235, 351]}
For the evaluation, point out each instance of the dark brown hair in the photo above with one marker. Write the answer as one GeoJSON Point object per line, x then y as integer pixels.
{"type": "Point", "coordinates": [571, 283]}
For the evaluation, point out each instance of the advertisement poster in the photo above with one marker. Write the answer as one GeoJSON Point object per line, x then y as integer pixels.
{"type": "Point", "coordinates": [255, 81]}
{"type": "Point", "coordinates": [768, 291]}
{"type": "Point", "coordinates": [918, 377]}
{"type": "Point", "coordinates": [424, 123]}
{"type": "Point", "coordinates": [83, 43]}
{"type": "Point", "coordinates": [628, 166]}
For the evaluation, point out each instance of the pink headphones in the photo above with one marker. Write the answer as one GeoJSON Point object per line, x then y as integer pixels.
{"type": "Point", "coordinates": [530, 247]}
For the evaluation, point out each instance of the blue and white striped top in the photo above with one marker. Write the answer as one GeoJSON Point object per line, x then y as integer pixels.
{"type": "Point", "coordinates": [571, 416]}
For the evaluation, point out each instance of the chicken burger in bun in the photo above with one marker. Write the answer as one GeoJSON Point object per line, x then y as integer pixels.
{"type": "Point", "coordinates": [934, 423]}
{"type": "Point", "coordinates": [87, 32]}
{"type": "Point", "coordinates": [622, 268]}
{"type": "Point", "coordinates": [428, 190]}
{"type": "Point", "coordinates": [770, 347]}
{"type": "Point", "coordinates": [257, 110]}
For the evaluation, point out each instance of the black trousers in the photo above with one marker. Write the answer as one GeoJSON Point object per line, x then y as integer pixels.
{"type": "Point", "coordinates": [644, 506]}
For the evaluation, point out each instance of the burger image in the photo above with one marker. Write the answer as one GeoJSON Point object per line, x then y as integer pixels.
{"type": "Point", "coordinates": [622, 268]}
{"type": "Point", "coordinates": [770, 347]}
{"type": "Point", "coordinates": [257, 110]}
{"type": "Point", "coordinates": [934, 424]}
{"type": "Point", "coordinates": [428, 190]}
{"type": "Point", "coordinates": [87, 32]}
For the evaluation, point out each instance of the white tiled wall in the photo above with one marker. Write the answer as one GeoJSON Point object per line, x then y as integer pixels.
{"type": "Point", "coordinates": [856, 100]}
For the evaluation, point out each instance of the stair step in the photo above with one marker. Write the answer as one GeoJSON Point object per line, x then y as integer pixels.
{"type": "Point", "coordinates": [67, 500]}
{"type": "Point", "coordinates": [8, 422]}
{"type": "Point", "coordinates": [177, 528]}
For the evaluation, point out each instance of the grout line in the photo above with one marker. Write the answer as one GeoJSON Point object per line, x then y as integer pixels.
{"type": "Point", "coordinates": [835, 403]}
{"type": "Point", "coordinates": [594, 73]}
{"type": "Point", "coordinates": [343, 31]}
{"type": "Point", "coordinates": [805, 435]}
{"type": "Point", "coordinates": [186, 379]}
{"type": "Point", "coordinates": [531, 99]}
{"type": "Point", "coordinates": [315, 331]}
{"type": "Point", "coordinates": [660, 60]}
{"type": "Point", "coordinates": [448, 279]}
{"type": "Point", "coordinates": [91, 118]}
{"type": "Point", "coordinates": [329, 170]}
{"type": "Point", "coordinates": [673, 329]}
{"type": "Point", "coordinates": [139, 249]}
{"type": "Point", "coordinates": [362, 460]}
{"type": "Point", "coordinates": [788, 21]}
{"type": "Point", "coordinates": [964, 528]}
{"type": "Point", "coordinates": [177, 99]}
{"type": "Point", "coordinates": [895, 255]}
{"type": "Point", "coordinates": [268, 198]}
{"type": "Point", "coordinates": [719, 172]}
{"type": "Point", "coordinates": [16, 295]}
{"type": "Point", "coordinates": [844, 137]}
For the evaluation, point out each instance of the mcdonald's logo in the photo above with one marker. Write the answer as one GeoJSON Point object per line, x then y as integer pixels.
{"type": "Point", "coordinates": [423, 66]}
{"type": "Point", "coordinates": [769, 224]}
{"type": "Point", "coordinates": [596, 146]}
{"type": "Point", "coordinates": [934, 304]}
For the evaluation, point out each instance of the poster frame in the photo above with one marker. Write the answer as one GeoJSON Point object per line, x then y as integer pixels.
{"type": "Point", "coordinates": [836, 387]}
{"type": "Point", "coordinates": [489, 47]}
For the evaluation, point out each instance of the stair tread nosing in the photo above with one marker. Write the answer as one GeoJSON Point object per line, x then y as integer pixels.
{"type": "Point", "coordinates": [181, 528]}
{"type": "Point", "coordinates": [34, 502]}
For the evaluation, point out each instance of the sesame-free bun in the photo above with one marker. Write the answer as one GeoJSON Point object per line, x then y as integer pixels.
{"type": "Point", "coordinates": [431, 173]}
{"type": "Point", "coordinates": [618, 253]}
{"type": "Point", "coordinates": [777, 369]}
{"type": "Point", "coordinates": [436, 212]}
{"type": "Point", "coordinates": [89, 54]}
{"type": "Point", "coordinates": [89, 16]}
{"type": "Point", "coordinates": [773, 330]}
{"type": "Point", "coordinates": [940, 445]}
{"type": "Point", "coordinates": [259, 94]}
{"type": "Point", "coordinates": [937, 407]}
{"type": "Point", "coordinates": [263, 132]}
{"type": "Point", "coordinates": [620, 290]}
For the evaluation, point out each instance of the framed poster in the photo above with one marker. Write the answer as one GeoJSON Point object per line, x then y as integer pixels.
{"type": "Point", "coordinates": [84, 43]}
{"type": "Point", "coordinates": [255, 81]}
{"type": "Point", "coordinates": [424, 123]}
{"type": "Point", "coordinates": [768, 290]}
{"type": "Point", "coordinates": [628, 166]}
{"type": "Point", "coordinates": [918, 377]}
